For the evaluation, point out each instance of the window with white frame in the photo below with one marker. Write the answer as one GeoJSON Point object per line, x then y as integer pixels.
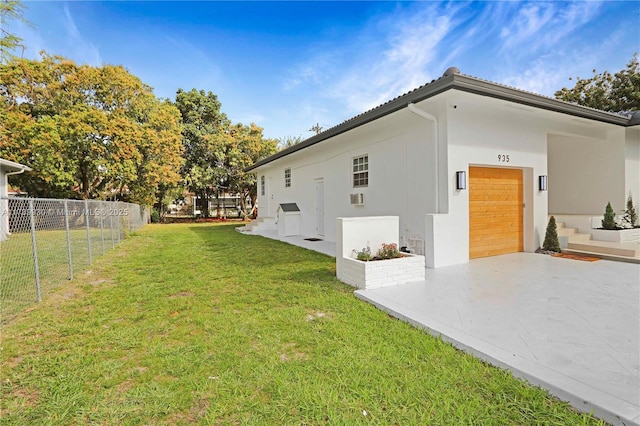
{"type": "Point", "coordinates": [361, 171]}
{"type": "Point", "coordinates": [287, 178]}
{"type": "Point", "coordinates": [262, 185]}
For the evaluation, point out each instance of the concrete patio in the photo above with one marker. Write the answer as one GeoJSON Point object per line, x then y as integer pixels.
{"type": "Point", "coordinates": [569, 326]}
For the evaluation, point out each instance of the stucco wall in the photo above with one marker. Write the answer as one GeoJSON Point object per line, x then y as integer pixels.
{"type": "Point", "coordinates": [412, 170]}
{"type": "Point", "coordinates": [495, 136]}
{"type": "Point", "coordinates": [401, 173]}
{"type": "Point", "coordinates": [632, 165]}
{"type": "Point", "coordinates": [586, 173]}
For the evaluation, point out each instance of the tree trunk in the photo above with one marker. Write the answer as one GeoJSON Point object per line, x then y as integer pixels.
{"type": "Point", "coordinates": [254, 208]}
{"type": "Point", "coordinates": [243, 205]}
{"type": "Point", "coordinates": [218, 211]}
{"type": "Point", "coordinates": [204, 204]}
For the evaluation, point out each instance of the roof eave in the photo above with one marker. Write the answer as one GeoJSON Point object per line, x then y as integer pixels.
{"type": "Point", "coordinates": [486, 88]}
{"type": "Point", "coordinates": [458, 82]}
{"type": "Point", "coordinates": [394, 105]}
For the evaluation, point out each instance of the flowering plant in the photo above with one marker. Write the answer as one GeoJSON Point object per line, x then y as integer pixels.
{"type": "Point", "coordinates": [364, 254]}
{"type": "Point", "coordinates": [388, 251]}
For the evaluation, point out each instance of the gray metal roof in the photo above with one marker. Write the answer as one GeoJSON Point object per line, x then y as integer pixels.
{"type": "Point", "coordinates": [453, 80]}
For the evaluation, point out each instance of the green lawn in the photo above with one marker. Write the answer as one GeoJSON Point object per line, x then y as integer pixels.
{"type": "Point", "coordinates": [17, 271]}
{"type": "Point", "coordinates": [198, 324]}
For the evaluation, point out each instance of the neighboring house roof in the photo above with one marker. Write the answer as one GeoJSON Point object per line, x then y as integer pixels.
{"type": "Point", "coordinates": [452, 79]}
{"type": "Point", "coordinates": [11, 166]}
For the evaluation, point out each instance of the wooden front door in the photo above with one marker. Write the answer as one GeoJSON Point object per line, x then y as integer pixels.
{"type": "Point", "coordinates": [495, 211]}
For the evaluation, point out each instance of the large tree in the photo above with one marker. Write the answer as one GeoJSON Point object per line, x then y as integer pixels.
{"type": "Point", "coordinates": [247, 146]}
{"type": "Point", "coordinates": [216, 150]}
{"type": "Point", "coordinates": [88, 132]}
{"type": "Point", "coordinates": [203, 124]}
{"type": "Point", "coordinates": [609, 92]}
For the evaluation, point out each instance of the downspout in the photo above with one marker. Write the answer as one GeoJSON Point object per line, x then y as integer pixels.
{"type": "Point", "coordinates": [414, 109]}
{"type": "Point", "coordinates": [6, 188]}
{"type": "Point", "coordinates": [6, 177]}
{"type": "Point", "coordinates": [15, 173]}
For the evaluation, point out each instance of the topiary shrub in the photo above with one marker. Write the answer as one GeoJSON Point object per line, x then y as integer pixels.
{"type": "Point", "coordinates": [609, 221]}
{"type": "Point", "coordinates": [630, 214]}
{"type": "Point", "coordinates": [551, 242]}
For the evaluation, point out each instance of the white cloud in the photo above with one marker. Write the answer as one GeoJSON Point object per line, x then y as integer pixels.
{"type": "Point", "coordinates": [392, 55]}
{"type": "Point", "coordinates": [544, 25]}
{"type": "Point", "coordinates": [83, 50]}
{"type": "Point", "coordinates": [529, 22]}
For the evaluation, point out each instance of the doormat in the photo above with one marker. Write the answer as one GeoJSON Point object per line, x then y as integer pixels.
{"type": "Point", "coordinates": [576, 257]}
{"type": "Point", "coordinates": [313, 239]}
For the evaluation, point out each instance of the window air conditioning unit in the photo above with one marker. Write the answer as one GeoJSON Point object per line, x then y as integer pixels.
{"type": "Point", "coordinates": [357, 199]}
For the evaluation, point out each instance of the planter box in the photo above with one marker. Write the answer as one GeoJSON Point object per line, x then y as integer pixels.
{"type": "Point", "coordinates": [617, 236]}
{"type": "Point", "coordinates": [382, 273]}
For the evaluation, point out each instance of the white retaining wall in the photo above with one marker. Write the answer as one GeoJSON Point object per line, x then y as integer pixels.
{"type": "Point", "coordinates": [356, 233]}
{"type": "Point", "coordinates": [382, 273]}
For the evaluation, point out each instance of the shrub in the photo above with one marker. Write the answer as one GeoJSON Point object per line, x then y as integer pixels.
{"type": "Point", "coordinates": [388, 251]}
{"type": "Point", "coordinates": [609, 221]}
{"type": "Point", "coordinates": [630, 214]}
{"type": "Point", "coordinates": [155, 216]}
{"type": "Point", "coordinates": [551, 242]}
{"type": "Point", "coordinates": [364, 254]}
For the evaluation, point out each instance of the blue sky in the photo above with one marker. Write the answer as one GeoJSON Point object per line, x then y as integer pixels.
{"type": "Point", "coordinates": [288, 65]}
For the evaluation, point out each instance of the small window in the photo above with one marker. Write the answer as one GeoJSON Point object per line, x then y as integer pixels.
{"type": "Point", "coordinates": [361, 171]}
{"type": "Point", "coordinates": [262, 185]}
{"type": "Point", "coordinates": [287, 178]}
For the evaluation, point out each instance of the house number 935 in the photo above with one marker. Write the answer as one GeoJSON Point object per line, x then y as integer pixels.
{"type": "Point", "coordinates": [503, 158]}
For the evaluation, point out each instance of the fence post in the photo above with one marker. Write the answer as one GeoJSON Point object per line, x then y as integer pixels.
{"type": "Point", "coordinates": [119, 222]}
{"type": "Point", "coordinates": [102, 210]}
{"type": "Point", "coordinates": [86, 218]}
{"type": "Point", "coordinates": [35, 251]}
{"type": "Point", "coordinates": [66, 226]}
{"type": "Point", "coordinates": [113, 244]}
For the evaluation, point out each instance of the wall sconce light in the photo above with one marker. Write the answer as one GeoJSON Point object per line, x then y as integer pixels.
{"type": "Point", "coordinates": [542, 182]}
{"type": "Point", "coordinates": [461, 180]}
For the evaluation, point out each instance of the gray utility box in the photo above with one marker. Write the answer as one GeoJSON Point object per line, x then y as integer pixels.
{"type": "Point", "coordinates": [288, 220]}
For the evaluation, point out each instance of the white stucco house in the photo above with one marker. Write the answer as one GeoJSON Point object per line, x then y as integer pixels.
{"type": "Point", "coordinates": [472, 168]}
{"type": "Point", "coordinates": [7, 168]}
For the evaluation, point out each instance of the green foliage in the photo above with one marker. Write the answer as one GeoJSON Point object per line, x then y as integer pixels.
{"type": "Point", "coordinates": [609, 221]}
{"type": "Point", "coordinates": [364, 254]}
{"type": "Point", "coordinates": [551, 242]}
{"type": "Point", "coordinates": [630, 214]}
{"type": "Point", "coordinates": [615, 93]}
{"type": "Point", "coordinates": [388, 251]}
{"type": "Point", "coordinates": [87, 132]}
{"type": "Point", "coordinates": [10, 10]}
{"type": "Point", "coordinates": [217, 151]}
{"type": "Point", "coordinates": [155, 216]}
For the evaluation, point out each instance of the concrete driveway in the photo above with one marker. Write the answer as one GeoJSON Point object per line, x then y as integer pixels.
{"type": "Point", "coordinates": [569, 326]}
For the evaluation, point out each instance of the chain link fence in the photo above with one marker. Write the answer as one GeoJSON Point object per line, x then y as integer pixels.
{"type": "Point", "coordinates": [44, 242]}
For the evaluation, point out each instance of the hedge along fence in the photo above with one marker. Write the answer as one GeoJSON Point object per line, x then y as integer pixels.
{"type": "Point", "coordinates": [43, 242]}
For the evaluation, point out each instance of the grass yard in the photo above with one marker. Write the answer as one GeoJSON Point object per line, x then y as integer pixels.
{"type": "Point", "coordinates": [198, 324]}
{"type": "Point", "coordinates": [17, 271]}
